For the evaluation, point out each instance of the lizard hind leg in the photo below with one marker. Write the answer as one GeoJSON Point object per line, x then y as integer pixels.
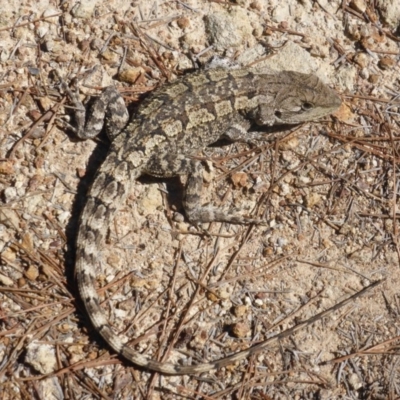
{"type": "Point", "coordinates": [197, 213]}
{"type": "Point", "coordinates": [172, 164]}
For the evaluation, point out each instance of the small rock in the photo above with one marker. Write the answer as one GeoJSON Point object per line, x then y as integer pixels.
{"type": "Point", "coordinates": [259, 302]}
{"type": "Point", "coordinates": [109, 56]}
{"type": "Point", "coordinates": [6, 281]}
{"type": "Point", "coordinates": [49, 12]}
{"type": "Point", "coordinates": [41, 357]}
{"type": "Point", "coordinates": [179, 217]}
{"type": "Point", "coordinates": [240, 179]}
{"type": "Point", "coordinates": [312, 200]}
{"type": "Point", "coordinates": [268, 251]}
{"type": "Point", "coordinates": [42, 30]}
{"type": "Point", "coordinates": [62, 58]}
{"type": "Point", "coordinates": [300, 59]}
{"type": "Point", "coordinates": [240, 329]}
{"type": "Point", "coordinates": [213, 297]}
{"type": "Point", "coordinates": [353, 31]}
{"type": "Point", "coordinates": [386, 63]}
{"type": "Point", "coordinates": [239, 311]}
{"type": "Point", "coordinates": [84, 45]}
{"type": "Point", "coordinates": [21, 282]}
{"type": "Point", "coordinates": [151, 201]}
{"type": "Point", "coordinates": [9, 218]}
{"type": "Point", "coordinates": [183, 22]}
{"type": "Point", "coordinates": [130, 75]}
{"type": "Point", "coordinates": [4, 55]}
{"type": "Point", "coordinates": [7, 167]}
{"type": "Point", "coordinates": [290, 144]}
{"type": "Point", "coordinates": [229, 29]}
{"type": "Point", "coordinates": [354, 381]}
{"type": "Point", "coordinates": [192, 40]}
{"type": "Point", "coordinates": [96, 44]}
{"type": "Point", "coordinates": [344, 113]}
{"type": "Point", "coordinates": [358, 5]}
{"type": "Point", "coordinates": [64, 216]}
{"type": "Point", "coordinates": [137, 282]}
{"type": "Point", "coordinates": [281, 13]}
{"type": "Point", "coordinates": [373, 78]}
{"type": "Point", "coordinates": [361, 59]}
{"type": "Point", "coordinates": [48, 45]}
{"type": "Point", "coordinates": [256, 5]}
{"type": "Point", "coordinates": [224, 292]}
{"type": "Point", "coordinates": [114, 260]}
{"type": "Point", "coordinates": [364, 73]}
{"type": "Point", "coordinates": [390, 12]}
{"type": "Point", "coordinates": [9, 194]}
{"type": "Point", "coordinates": [85, 9]}
{"type": "Point", "coordinates": [200, 338]}
{"type": "Point", "coordinates": [32, 273]}
{"type": "Point", "coordinates": [71, 37]}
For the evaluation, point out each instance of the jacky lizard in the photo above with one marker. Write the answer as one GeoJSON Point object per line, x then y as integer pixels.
{"type": "Point", "coordinates": [161, 139]}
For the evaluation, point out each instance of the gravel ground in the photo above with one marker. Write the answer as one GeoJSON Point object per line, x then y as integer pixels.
{"type": "Point", "coordinates": [328, 191]}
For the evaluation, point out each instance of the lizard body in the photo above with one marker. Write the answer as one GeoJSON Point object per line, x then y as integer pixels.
{"type": "Point", "coordinates": [161, 139]}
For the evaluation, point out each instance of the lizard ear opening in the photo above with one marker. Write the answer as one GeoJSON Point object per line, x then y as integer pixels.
{"type": "Point", "coordinates": [263, 115]}
{"type": "Point", "coordinates": [278, 114]}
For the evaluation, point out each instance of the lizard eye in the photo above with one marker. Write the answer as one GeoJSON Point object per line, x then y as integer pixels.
{"type": "Point", "coordinates": [306, 106]}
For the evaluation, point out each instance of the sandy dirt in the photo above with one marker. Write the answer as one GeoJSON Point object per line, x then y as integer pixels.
{"type": "Point", "coordinates": [328, 190]}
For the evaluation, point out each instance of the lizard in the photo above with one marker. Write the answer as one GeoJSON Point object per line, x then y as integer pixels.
{"type": "Point", "coordinates": [162, 139]}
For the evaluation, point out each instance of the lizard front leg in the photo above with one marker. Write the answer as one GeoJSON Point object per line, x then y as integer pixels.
{"type": "Point", "coordinates": [108, 110]}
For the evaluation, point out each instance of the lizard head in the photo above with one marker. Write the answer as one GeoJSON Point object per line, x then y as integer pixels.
{"type": "Point", "coordinates": [299, 98]}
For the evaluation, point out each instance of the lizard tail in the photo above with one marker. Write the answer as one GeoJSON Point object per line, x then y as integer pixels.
{"type": "Point", "coordinates": [109, 190]}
